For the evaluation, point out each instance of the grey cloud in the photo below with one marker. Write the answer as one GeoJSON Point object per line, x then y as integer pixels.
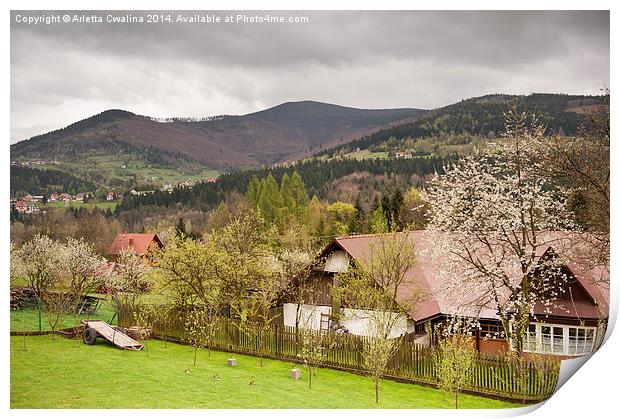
{"type": "Point", "coordinates": [363, 59]}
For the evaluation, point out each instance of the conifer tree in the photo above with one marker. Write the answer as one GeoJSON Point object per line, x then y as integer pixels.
{"type": "Point", "coordinates": [379, 222]}
{"type": "Point", "coordinates": [253, 192]}
{"type": "Point", "coordinates": [270, 199]}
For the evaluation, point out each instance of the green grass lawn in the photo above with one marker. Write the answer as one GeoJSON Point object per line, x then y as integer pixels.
{"type": "Point", "coordinates": [65, 373]}
{"type": "Point", "coordinates": [104, 205]}
{"type": "Point", "coordinates": [28, 319]}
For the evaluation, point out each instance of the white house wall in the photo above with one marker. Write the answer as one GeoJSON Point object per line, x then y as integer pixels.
{"type": "Point", "coordinates": [309, 316]}
{"type": "Point", "coordinates": [360, 322]}
{"type": "Point", "coordinates": [357, 322]}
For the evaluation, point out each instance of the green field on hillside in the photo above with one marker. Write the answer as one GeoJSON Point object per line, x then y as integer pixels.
{"type": "Point", "coordinates": [104, 205]}
{"type": "Point", "coordinates": [367, 154]}
{"type": "Point", "coordinates": [127, 167]}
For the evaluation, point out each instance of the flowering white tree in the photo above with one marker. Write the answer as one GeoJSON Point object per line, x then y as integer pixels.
{"type": "Point", "coordinates": [38, 262]}
{"type": "Point", "coordinates": [81, 267]}
{"type": "Point", "coordinates": [495, 220]}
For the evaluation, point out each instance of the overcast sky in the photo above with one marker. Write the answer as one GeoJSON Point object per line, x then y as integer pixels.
{"type": "Point", "coordinates": [61, 73]}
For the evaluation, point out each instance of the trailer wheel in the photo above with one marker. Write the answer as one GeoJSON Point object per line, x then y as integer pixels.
{"type": "Point", "coordinates": [89, 336]}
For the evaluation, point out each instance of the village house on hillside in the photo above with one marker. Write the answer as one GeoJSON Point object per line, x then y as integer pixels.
{"type": "Point", "coordinates": [402, 155]}
{"type": "Point", "coordinates": [140, 244]}
{"type": "Point", "coordinates": [24, 207]}
{"type": "Point", "coordinates": [572, 326]}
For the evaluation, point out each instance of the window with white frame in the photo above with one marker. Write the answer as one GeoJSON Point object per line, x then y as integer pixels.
{"type": "Point", "coordinates": [559, 339]}
{"type": "Point", "coordinates": [580, 340]}
{"type": "Point", "coordinates": [530, 342]}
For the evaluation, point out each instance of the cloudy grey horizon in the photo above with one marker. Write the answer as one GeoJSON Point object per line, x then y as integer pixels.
{"type": "Point", "coordinates": [62, 73]}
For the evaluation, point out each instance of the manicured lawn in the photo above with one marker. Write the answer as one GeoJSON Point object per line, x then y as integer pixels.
{"type": "Point", "coordinates": [28, 319]}
{"type": "Point", "coordinates": [68, 374]}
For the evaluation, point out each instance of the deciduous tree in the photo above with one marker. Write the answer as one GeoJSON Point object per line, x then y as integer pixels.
{"type": "Point", "coordinates": [455, 359]}
{"type": "Point", "coordinates": [81, 267]}
{"type": "Point", "coordinates": [379, 289]}
{"type": "Point", "coordinates": [38, 262]}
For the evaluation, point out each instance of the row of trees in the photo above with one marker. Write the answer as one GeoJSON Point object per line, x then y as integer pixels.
{"type": "Point", "coordinates": [237, 271]}
{"type": "Point", "coordinates": [96, 227]}
{"type": "Point", "coordinates": [288, 204]}
{"type": "Point", "coordinates": [241, 271]}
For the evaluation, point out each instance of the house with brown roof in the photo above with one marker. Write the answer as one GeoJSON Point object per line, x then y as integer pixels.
{"type": "Point", "coordinates": [24, 207]}
{"type": "Point", "coordinates": [140, 244]}
{"type": "Point", "coordinates": [572, 326]}
{"type": "Point", "coordinates": [21, 206]}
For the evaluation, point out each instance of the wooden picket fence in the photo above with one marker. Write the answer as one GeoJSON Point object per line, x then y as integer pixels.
{"type": "Point", "coordinates": [491, 375]}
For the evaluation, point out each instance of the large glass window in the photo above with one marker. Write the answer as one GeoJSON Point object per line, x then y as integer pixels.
{"type": "Point", "coordinates": [580, 340]}
{"type": "Point", "coordinates": [559, 340]}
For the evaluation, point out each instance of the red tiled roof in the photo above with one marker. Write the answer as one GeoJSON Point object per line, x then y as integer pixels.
{"type": "Point", "coordinates": [139, 243]}
{"type": "Point", "coordinates": [425, 277]}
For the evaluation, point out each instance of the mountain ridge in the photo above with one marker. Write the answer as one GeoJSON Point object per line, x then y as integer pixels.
{"type": "Point", "coordinates": [124, 148]}
{"type": "Point", "coordinates": [260, 138]}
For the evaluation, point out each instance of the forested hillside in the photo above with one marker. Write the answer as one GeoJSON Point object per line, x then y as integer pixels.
{"type": "Point", "coordinates": [26, 180]}
{"type": "Point", "coordinates": [434, 139]}
{"type": "Point", "coordinates": [318, 176]}
{"type": "Point", "coordinates": [484, 117]}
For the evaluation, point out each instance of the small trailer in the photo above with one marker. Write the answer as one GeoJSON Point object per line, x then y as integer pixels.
{"type": "Point", "coordinates": [96, 328]}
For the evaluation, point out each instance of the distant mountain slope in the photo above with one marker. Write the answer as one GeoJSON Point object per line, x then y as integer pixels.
{"type": "Point", "coordinates": [483, 116]}
{"type": "Point", "coordinates": [261, 138]}
{"type": "Point", "coordinates": [116, 132]}
{"type": "Point", "coordinates": [118, 147]}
